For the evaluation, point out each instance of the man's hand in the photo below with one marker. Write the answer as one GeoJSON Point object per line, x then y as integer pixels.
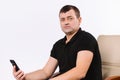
{"type": "Point", "coordinates": [19, 75]}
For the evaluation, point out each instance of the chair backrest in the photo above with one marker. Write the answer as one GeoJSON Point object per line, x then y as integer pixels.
{"type": "Point", "coordinates": [109, 46]}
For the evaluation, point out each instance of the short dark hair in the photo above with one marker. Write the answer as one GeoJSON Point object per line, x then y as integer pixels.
{"type": "Point", "coordinates": [66, 8]}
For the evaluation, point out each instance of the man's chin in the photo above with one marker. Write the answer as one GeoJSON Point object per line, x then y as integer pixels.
{"type": "Point", "coordinates": [68, 33]}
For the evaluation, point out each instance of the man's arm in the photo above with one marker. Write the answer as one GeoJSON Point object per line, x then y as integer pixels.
{"type": "Point", "coordinates": [41, 74]}
{"type": "Point", "coordinates": [83, 62]}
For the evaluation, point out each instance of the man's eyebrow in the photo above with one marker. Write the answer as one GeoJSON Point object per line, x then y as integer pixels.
{"type": "Point", "coordinates": [62, 18]}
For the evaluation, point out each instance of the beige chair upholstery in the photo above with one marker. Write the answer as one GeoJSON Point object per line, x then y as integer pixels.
{"type": "Point", "coordinates": [109, 46]}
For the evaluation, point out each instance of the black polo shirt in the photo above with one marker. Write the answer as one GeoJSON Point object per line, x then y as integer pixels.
{"type": "Point", "coordinates": [66, 54]}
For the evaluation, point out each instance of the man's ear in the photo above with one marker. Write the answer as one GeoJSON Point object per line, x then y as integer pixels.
{"type": "Point", "coordinates": [80, 20]}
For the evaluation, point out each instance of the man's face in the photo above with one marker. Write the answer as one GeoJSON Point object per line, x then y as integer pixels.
{"type": "Point", "coordinates": [69, 22]}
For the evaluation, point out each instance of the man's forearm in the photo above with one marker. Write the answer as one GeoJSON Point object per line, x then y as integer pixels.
{"type": "Point", "coordinates": [36, 75]}
{"type": "Point", "coordinates": [72, 74]}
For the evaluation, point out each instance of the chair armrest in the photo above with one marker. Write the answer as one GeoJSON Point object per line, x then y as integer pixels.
{"type": "Point", "coordinates": [113, 78]}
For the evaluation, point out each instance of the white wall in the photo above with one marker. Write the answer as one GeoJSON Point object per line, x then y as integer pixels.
{"type": "Point", "coordinates": [29, 28]}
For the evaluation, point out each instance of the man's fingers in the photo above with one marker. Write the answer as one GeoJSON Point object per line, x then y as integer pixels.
{"type": "Point", "coordinates": [20, 74]}
{"type": "Point", "coordinates": [14, 69]}
{"type": "Point", "coordinates": [23, 77]}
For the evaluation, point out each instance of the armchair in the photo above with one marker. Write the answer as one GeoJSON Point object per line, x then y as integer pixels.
{"type": "Point", "coordinates": [109, 46]}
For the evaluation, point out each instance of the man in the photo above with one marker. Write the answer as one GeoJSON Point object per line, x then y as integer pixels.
{"type": "Point", "coordinates": [77, 54]}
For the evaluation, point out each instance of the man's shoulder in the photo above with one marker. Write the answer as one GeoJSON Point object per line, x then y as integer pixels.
{"type": "Point", "coordinates": [60, 41]}
{"type": "Point", "coordinates": [88, 35]}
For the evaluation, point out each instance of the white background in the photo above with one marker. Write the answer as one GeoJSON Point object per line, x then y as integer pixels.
{"type": "Point", "coordinates": [29, 28]}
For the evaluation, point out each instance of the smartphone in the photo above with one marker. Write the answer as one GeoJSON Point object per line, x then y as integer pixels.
{"type": "Point", "coordinates": [14, 64]}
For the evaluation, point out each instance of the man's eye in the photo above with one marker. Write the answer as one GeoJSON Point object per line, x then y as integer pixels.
{"type": "Point", "coordinates": [61, 19]}
{"type": "Point", "coordinates": [70, 18]}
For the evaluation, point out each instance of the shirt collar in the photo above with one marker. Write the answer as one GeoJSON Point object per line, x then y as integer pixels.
{"type": "Point", "coordinates": [73, 38]}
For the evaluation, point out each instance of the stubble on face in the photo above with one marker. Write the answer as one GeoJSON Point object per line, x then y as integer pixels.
{"type": "Point", "coordinates": [68, 31]}
{"type": "Point", "coordinates": [69, 22]}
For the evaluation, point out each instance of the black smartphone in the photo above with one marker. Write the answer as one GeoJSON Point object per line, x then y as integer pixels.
{"type": "Point", "coordinates": [14, 64]}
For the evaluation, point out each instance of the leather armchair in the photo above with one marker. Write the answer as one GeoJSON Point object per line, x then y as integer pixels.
{"type": "Point", "coordinates": [109, 46]}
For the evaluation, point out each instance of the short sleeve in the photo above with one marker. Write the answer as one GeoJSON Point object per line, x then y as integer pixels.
{"type": "Point", "coordinates": [88, 43]}
{"type": "Point", "coordinates": [53, 52]}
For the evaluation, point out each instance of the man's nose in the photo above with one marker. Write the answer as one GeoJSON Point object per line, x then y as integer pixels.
{"type": "Point", "coordinates": [66, 22]}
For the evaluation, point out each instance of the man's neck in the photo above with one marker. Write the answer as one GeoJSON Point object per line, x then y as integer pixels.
{"type": "Point", "coordinates": [69, 36]}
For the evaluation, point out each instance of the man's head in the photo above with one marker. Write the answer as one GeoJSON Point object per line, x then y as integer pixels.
{"type": "Point", "coordinates": [66, 8]}
{"type": "Point", "coordinates": [69, 19]}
